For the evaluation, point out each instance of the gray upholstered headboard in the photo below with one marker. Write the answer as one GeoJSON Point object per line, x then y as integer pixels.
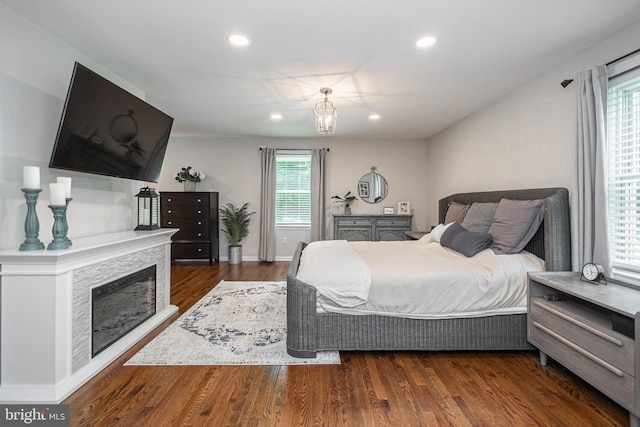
{"type": "Point", "coordinates": [552, 242]}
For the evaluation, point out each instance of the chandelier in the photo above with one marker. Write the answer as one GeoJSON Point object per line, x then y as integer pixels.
{"type": "Point", "coordinates": [325, 115]}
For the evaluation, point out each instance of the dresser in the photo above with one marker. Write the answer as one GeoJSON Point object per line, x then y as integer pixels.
{"type": "Point", "coordinates": [196, 215]}
{"type": "Point", "coordinates": [593, 330]}
{"type": "Point", "coordinates": [370, 227]}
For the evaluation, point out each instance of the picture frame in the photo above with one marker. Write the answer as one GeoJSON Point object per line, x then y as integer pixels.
{"type": "Point", "coordinates": [389, 210]}
{"type": "Point", "coordinates": [404, 208]}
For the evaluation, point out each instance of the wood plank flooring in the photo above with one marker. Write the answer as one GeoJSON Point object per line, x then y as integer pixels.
{"type": "Point", "coordinates": [367, 389]}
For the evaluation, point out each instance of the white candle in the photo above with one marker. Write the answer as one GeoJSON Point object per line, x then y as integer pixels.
{"type": "Point", "coordinates": [31, 177]}
{"type": "Point", "coordinates": [146, 216]}
{"type": "Point", "coordinates": [57, 194]}
{"type": "Point", "coordinates": [67, 185]}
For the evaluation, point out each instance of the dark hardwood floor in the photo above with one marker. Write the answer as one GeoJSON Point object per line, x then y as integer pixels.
{"type": "Point", "coordinates": [367, 389]}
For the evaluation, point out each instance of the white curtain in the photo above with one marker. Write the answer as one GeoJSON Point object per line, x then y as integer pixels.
{"type": "Point", "coordinates": [589, 229]}
{"type": "Point", "coordinates": [318, 194]}
{"type": "Point", "coordinates": [267, 250]}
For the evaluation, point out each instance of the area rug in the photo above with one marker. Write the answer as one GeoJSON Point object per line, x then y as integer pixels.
{"type": "Point", "coordinates": [236, 323]}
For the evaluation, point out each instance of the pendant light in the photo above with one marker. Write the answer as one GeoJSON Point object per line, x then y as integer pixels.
{"type": "Point", "coordinates": [325, 114]}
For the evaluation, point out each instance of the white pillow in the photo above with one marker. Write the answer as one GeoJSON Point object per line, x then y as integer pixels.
{"type": "Point", "coordinates": [437, 232]}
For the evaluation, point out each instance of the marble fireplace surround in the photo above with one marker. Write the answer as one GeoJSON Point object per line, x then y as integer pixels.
{"type": "Point", "coordinates": [45, 310]}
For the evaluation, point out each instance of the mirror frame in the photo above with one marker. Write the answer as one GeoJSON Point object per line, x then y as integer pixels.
{"type": "Point", "coordinates": [373, 187]}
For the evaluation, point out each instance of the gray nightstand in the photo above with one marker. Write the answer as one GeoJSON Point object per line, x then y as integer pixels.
{"type": "Point", "coordinates": [593, 330]}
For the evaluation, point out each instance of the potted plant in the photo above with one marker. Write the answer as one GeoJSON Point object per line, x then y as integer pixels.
{"type": "Point", "coordinates": [189, 177]}
{"type": "Point", "coordinates": [347, 200]}
{"type": "Point", "coordinates": [235, 223]}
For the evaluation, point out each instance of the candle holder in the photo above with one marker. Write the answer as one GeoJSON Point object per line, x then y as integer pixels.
{"type": "Point", "coordinates": [65, 224]}
{"type": "Point", "coordinates": [31, 223]}
{"type": "Point", "coordinates": [60, 240]}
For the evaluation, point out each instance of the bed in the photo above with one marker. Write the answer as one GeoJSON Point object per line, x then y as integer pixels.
{"type": "Point", "coordinates": [310, 331]}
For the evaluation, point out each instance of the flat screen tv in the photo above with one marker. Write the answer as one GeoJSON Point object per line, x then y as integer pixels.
{"type": "Point", "coordinates": [106, 130]}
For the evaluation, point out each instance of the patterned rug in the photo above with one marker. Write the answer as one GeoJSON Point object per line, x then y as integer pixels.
{"type": "Point", "coordinates": [236, 323]}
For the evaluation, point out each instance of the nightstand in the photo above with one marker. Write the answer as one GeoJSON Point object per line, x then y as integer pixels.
{"type": "Point", "coordinates": [593, 330]}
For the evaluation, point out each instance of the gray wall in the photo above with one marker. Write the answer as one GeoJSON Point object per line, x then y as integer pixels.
{"type": "Point", "coordinates": [524, 140]}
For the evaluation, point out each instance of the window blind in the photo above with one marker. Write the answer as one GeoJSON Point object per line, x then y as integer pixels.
{"type": "Point", "coordinates": [293, 189]}
{"type": "Point", "coordinates": [623, 170]}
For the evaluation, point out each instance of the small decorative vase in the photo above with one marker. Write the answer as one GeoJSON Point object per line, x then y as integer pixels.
{"type": "Point", "coordinates": [189, 186]}
{"type": "Point", "coordinates": [347, 210]}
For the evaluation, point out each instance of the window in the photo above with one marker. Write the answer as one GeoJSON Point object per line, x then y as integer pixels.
{"type": "Point", "coordinates": [293, 188]}
{"type": "Point", "coordinates": [623, 172]}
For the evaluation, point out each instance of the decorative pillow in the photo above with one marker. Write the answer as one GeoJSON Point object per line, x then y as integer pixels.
{"type": "Point", "coordinates": [466, 242]}
{"type": "Point", "coordinates": [437, 231]}
{"type": "Point", "coordinates": [514, 224]}
{"type": "Point", "coordinates": [455, 212]}
{"type": "Point", "coordinates": [479, 217]}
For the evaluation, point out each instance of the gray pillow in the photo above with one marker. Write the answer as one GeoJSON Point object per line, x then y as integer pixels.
{"type": "Point", "coordinates": [455, 212]}
{"type": "Point", "coordinates": [466, 242]}
{"type": "Point", "coordinates": [514, 224]}
{"type": "Point", "coordinates": [479, 217]}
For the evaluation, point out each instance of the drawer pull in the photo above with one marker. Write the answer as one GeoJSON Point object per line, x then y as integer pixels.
{"type": "Point", "coordinates": [576, 322]}
{"type": "Point", "coordinates": [169, 222]}
{"type": "Point", "coordinates": [199, 250]}
{"type": "Point", "coordinates": [199, 222]}
{"type": "Point", "coordinates": [609, 367]}
{"type": "Point", "coordinates": [199, 200]}
{"type": "Point", "coordinates": [199, 234]}
{"type": "Point", "coordinates": [169, 211]}
{"type": "Point", "coordinates": [199, 212]}
{"type": "Point", "coordinates": [169, 199]}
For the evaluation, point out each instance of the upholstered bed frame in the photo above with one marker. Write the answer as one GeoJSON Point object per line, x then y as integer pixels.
{"type": "Point", "coordinates": [309, 332]}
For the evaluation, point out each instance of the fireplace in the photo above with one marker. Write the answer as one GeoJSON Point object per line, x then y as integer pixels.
{"type": "Point", "coordinates": [120, 306]}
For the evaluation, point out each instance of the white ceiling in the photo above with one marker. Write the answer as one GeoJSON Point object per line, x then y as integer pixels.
{"type": "Point", "coordinates": [177, 52]}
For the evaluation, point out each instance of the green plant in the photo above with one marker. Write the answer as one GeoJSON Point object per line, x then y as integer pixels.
{"type": "Point", "coordinates": [236, 222]}
{"type": "Point", "coordinates": [347, 199]}
{"type": "Point", "coordinates": [189, 174]}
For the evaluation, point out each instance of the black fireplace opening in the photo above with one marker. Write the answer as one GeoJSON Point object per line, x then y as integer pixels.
{"type": "Point", "coordinates": [120, 306]}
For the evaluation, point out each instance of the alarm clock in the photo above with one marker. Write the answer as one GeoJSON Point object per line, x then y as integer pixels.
{"type": "Point", "coordinates": [593, 273]}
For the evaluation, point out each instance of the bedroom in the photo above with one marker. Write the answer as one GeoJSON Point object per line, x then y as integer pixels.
{"type": "Point", "coordinates": [35, 72]}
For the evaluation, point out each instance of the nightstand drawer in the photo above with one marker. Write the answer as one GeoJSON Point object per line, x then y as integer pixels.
{"type": "Point", "coordinates": [584, 329]}
{"type": "Point", "coordinates": [608, 378]}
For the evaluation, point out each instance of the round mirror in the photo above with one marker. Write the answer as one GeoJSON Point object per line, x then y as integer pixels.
{"type": "Point", "coordinates": [372, 187]}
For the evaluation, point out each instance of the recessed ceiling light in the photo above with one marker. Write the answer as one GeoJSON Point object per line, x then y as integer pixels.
{"type": "Point", "coordinates": [374, 116]}
{"type": "Point", "coordinates": [426, 42]}
{"type": "Point", "coordinates": [238, 40]}
{"type": "Point", "coordinates": [276, 116]}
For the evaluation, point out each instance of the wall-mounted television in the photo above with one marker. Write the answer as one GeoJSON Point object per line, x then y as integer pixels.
{"type": "Point", "coordinates": [106, 130]}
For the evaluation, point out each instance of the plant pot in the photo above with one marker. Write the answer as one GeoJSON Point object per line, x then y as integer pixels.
{"type": "Point", "coordinates": [235, 254]}
{"type": "Point", "coordinates": [347, 210]}
{"type": "Point", "coordinates": [189, 186]}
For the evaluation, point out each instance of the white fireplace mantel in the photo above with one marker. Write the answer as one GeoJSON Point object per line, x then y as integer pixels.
{"type": "Point", "coordinates": [45, 310]}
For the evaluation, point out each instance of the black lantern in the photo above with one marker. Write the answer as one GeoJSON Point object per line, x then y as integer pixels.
{"type": "Point", "coordinates": [147, 209]}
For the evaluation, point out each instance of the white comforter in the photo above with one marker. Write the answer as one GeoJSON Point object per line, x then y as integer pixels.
{"type": "Point", "coordinates": [422, 280]}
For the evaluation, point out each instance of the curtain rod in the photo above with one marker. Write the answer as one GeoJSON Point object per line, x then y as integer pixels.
{"type": "Point", "coordinates": [567, 82]}
{"type": "Point", "coordinates": [623, 57]}
{"type": "Point", "coordinates": [293, 149]}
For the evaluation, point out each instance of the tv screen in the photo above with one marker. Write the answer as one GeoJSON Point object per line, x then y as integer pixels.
{"type": "Point", "coordinates": [106, 130]}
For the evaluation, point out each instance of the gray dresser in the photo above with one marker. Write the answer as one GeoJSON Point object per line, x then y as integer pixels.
{"type": "Point", "coordinates": [370, 227]}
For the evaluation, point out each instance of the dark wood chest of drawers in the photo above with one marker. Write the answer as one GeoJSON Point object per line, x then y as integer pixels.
{"type": "Point", "coordinates": [196, 215]}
